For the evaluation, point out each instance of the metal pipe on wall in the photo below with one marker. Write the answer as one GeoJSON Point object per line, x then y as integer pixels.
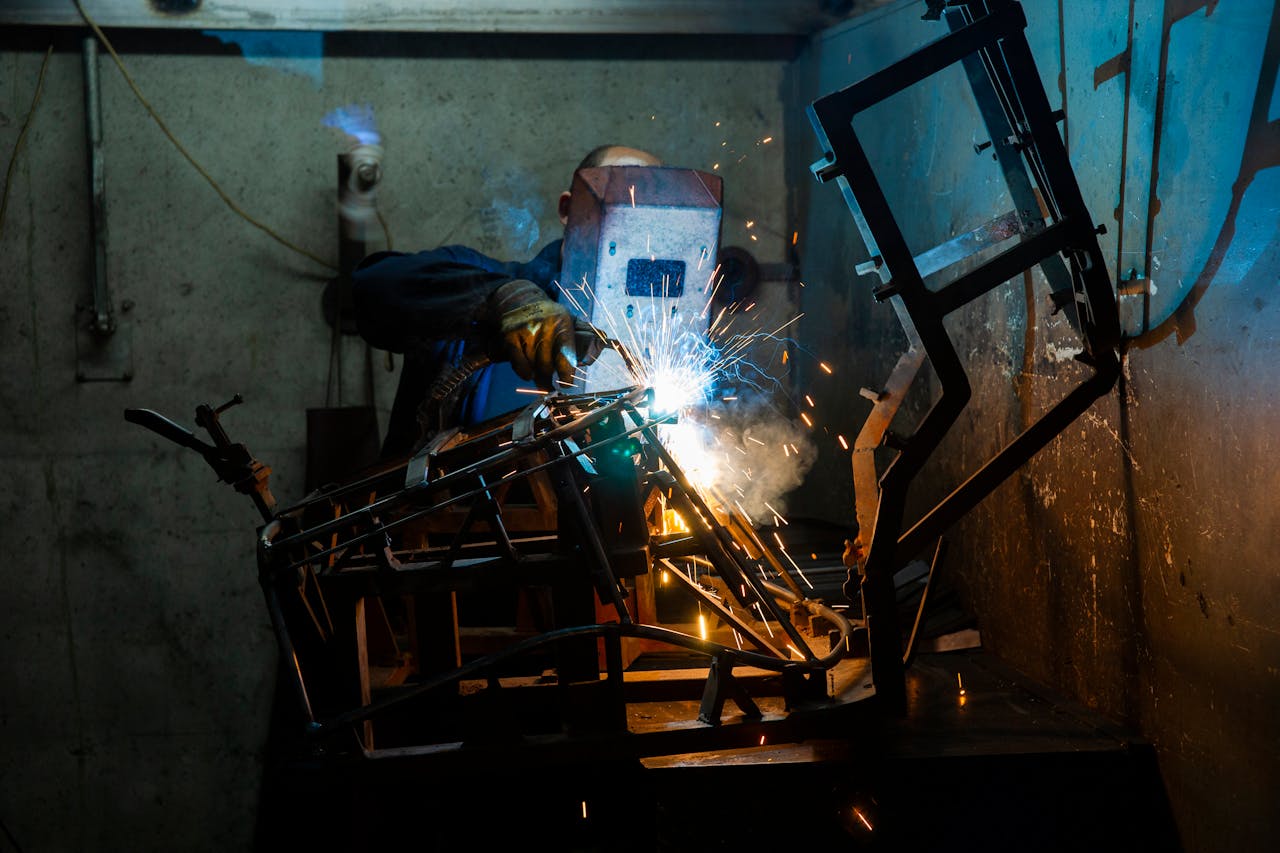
{"type": "Point", "coordinates": [103, 319]}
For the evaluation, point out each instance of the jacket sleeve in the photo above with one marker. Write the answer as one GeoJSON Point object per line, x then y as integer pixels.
{"type": "Point", "coordinates": [405, 301]}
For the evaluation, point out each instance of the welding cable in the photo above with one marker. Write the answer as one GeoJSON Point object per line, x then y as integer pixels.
{"type": "Point", "coordinates": [22, 136]}
{"type": "Point", "coordinates": [164, 128]}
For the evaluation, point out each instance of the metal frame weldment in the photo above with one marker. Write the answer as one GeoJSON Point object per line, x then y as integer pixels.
{"type": "Point", "coordinates": [1049, 227]}
{"type": "Point", "coordinates": [362, 582]}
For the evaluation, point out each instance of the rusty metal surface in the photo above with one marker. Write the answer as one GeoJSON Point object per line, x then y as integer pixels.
{"type": "Point", "coordinates": [1131, 564]}
{"type": "Point", "coordinates": [986, 37]}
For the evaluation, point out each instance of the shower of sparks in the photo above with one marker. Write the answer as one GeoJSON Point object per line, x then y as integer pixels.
{"type": "Point", "coordinates": [680, 357]}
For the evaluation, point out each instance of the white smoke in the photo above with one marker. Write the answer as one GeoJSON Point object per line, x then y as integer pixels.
{"type": "Point", "coordinates": [745, 452]}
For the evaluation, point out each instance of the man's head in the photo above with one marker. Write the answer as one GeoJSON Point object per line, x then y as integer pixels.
{"type": "Point", "coordinates": [608, 155]}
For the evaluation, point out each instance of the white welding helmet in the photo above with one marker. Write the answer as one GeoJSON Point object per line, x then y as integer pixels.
{"type": "Point", "coordinates": [639, 261]}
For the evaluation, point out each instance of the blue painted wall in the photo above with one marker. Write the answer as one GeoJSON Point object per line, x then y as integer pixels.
{"type": "Point", "coordinates": [1132, 564]}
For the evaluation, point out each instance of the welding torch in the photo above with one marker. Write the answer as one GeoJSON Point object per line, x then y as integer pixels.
{"type": "Point", "coordinates": [442, 397]}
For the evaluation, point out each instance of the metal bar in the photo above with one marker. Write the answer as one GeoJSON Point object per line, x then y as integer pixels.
{"type": "Point", "coordinates": [417, 492]}
{"type": "Point", "coordinates": [1010, 263]}
{"type": "Point", "coordinates": [1101, 328]}
{"type": "Point", "coordinates": [924, 63]}
{"type": "Point", "coordinates": [939, 554]}
{"type": "Point", "coordinates": [737, 522]}
{"type": "Point", "coordinates": [720, 610]}
{"type": "Point", "coordinates": [991, 106]}
{"type": "Point", "coordinates": [646, 632]}
{"type": "Point", "coordinates": [1009, 459]}
{"type": "Point", "coordinates": [736, 577]}
{"type": "Point", "coordinates": [103, 319]}
{"type": "Point", "coordinates": [990, 233]}
{"type": "Point", "coordinates": [749, 578]}
{"type": "Point", "coordinates": [605, 579]}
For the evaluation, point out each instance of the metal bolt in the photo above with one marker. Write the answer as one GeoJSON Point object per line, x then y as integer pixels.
{"type": "Point", "coordinates": [981, 146]}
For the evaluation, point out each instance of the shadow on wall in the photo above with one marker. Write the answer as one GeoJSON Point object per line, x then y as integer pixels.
{"type": "Point", "coordinates": [1247, 232]}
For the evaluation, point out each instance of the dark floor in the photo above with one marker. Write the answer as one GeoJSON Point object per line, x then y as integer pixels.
{"type": "Point", "coordinates": [1002, 765]}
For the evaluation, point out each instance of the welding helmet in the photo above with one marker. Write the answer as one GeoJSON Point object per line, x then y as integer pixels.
{"type": "Point", "coordinates": [639, 260]}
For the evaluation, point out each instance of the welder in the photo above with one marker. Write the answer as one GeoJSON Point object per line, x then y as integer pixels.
{"type": "Point", "coordinates": [441, 306]}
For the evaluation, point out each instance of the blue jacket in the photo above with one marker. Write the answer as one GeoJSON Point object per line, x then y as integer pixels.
{"type": "Point", "coordinates": [429, 306]}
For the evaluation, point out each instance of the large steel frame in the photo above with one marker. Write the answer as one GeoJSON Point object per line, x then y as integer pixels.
{"type": "Point", "coordinates": [333, 555]}
{"type": "Point", "coordinates": [1053, 230]}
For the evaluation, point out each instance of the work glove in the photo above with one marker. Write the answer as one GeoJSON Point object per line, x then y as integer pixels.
{"type": "Point", "coordinates": [588, 343]}
{"type": "Point", "coordinates": [536, 334]}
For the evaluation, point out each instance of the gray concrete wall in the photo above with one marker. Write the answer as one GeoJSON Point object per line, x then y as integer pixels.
{"type": "Point", "coordinates": [1132, 564]}
{"type": "Point", "coordinates": [137, 662]}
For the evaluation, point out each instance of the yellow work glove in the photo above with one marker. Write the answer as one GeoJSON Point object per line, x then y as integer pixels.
{"type": "Point", "coordinates": [536, 334]}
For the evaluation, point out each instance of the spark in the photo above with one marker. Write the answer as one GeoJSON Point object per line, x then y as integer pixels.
{"type": "Point", "coordinates": [633, 195]}
{"type": "Point", "coordinates": [777, 515]}
{"type": "Point", "coordinates": [531, 391]}
{"type": "Point", "coordinates": [843, 444]}
{"type": "Point", "coordinates": [807, 420]}
{"type": "Point", "coordinates": [756, 440]}
{"type": "Point", "coordinates": [584, 809]}
{"type": "Point", "coordinates": [797, 651]}
{"type": "Point", "coordinates": [762, 619]}
{"type": "Point", "coordinates": [809, 400]}
{"type": "Point", "coordinates": [862, 817]}
{"type": "Point", "coordinates": [766, 140]}
{"type": "Point", "coordinates": [825, 367]}
{"type": "Point", "coordinates": [794, 565]}
{"type": "Point", "coordinates": [960, 683]}
{"type": "Point", "coordinates": [795, 237]}
{"type": "Point", "coordinates": [702, 626]}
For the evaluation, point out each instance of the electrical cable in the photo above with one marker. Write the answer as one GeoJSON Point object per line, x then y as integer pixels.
{"type": "Point", "coordinates": [230, 202]}
{"type": "Point", "coordinates": [22, 136]}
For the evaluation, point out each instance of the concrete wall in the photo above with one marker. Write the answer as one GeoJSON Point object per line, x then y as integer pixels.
{"type": "Point", "coordinates": [1132, 564]}
{"type": "Point", "coordinates": [137, 663]}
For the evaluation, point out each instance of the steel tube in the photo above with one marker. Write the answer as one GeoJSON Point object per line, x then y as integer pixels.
{"type": "Point", "coordinates": [103, 319]}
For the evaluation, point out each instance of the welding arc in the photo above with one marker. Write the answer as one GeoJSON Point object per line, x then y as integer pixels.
{"type": "Point", "coordinates": [22, 136]}
{"type": "Point", "coordinates": [164, 128]}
